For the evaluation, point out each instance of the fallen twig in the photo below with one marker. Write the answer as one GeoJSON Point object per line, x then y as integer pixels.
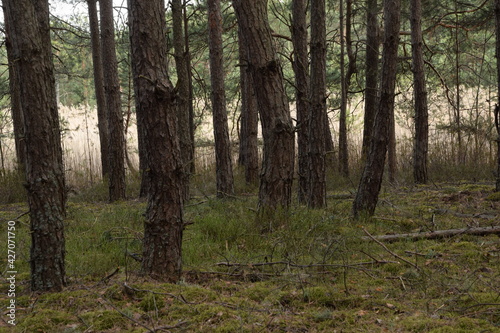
{"type": "Point", "coordinates": [389, 251]}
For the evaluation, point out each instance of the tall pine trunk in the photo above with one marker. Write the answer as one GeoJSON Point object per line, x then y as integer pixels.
{"type": "Point", "coordinates": [100, 96]}
{"type": "Point", "coordinates": [497, 108]}
{"type": "Point", "coordinates": [371, 64]}
{"type": "Point", "coordinates": [301, 71]}
{"type": "Point", "coordinates": [224, 168]}
{"type": "Point", "coordinates": [249, 120]}
{"type": "Point", "coordinates": [30, 37]}
{"type": "Point", "coordinates": [316, 150]}
{"type": "Point", "coordinates": [421, 144]}
{"type": "Point", "coordinates": [371, 180]}
{"type": "Point", "coordinates": [155, 105]}
{"type": "Point", "coordinates": [116, 139]}
{"type": "Point", "coordinates": [183, 92]}
{"type": "Point", "coordinates": [277, 166]}
{"type": "Point", "coordinates": [15, 96]}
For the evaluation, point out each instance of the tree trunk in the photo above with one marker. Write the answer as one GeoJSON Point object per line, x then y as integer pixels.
{"type": "Point", "coordinates": [224, 168]}
{"type": "Point", "coordinates": [249, 120]}
{"type": "Point", "coordinates": [371, 180]}
{"type": "Point", "coordinates": [301, 71]}
{"type": "Point", "coordinates": [100, 96]}
{"type": "Point", "coordinates": [155, 103]}
{"type": "Point", "coordinates": [497, 107]}
{"type": "Point", "coordinates": [182, 87]}
{"type": "Point", "coordinates": [420, 96]}
{"type": "Point", "coordinates": [116, 145]}
{"type": "Point", "coordinates": [277, 165]}
{"type": "Point", "coordinates": [15, 97]}
{"type": "Point", "coordinates": [30, 37]}
{"type": "Point", "coordinates": [316, 142]}
{"type": "Point", "coordinates": [391, 148]}
{"type": "Point", "coordinates": [371, 63]}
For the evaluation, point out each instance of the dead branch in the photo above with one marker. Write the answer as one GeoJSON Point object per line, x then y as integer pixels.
{"type": "Point", "coordinates": [438, 234]}
{"type": "Point", "coordinates": [389, 251]}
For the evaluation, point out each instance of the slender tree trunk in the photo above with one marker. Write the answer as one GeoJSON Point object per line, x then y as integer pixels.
{"type": "Point", "coordinates": [371, 63]}
{"type": "Point", "coordinates": [15, 97]}
{"type": "Point", "coordinates": [420, 96]}
{"type": "Point", "coordinates": [391, 148]}
{"type": "Point", "coordinates": [316, 142]}
{"type": "Point", "coordinates": [190, 79]}
{"type": "Point", "coordinates": [497, 107]}
{"type": "Point", "coordinates": [155, 102]}
{"type": "Point", "coordinates": [343, 149]}
{"type": "Point", "coordinates": [277, 165]}
{"type": "Point", "coordinates": [371, 180]}
{"type": "Point", "coordinates": [116, 145]}
{"type": "Point", "coordinates": [224, 168]}
{"type": "Point", "coordinates": [182, 86]}
{"type": "Point", "coordinates": [249, 120]}
{"type": "Point", "coordinates": [301, 70]}
{"type": "Point", "coordinates": [100, 96]}
{"type": "Point", "coordinates": [30, 37]}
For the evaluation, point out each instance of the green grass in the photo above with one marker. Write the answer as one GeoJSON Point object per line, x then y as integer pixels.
{"type": "Point", "coordinates": [304, 271]}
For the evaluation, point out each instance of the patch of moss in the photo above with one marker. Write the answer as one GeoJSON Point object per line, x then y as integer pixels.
{"type": "Point", "coordinates": [495, 196]}
{"type": "Point", "coordinates": [45, 320]}
{"type": "Point", "coordinates": [152, 302]}
{"type": "Point", "coordinates": [103, 320]}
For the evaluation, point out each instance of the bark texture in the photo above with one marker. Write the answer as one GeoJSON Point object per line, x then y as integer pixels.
{"type": "Point", "coordinates": [100, 96]}
{"type": "Point", "coordinates": [421, 144]}
{"type": "Point", "coordinates": [116, 142]}
{"type": "Point", "coordinates": [497, 108]}
{"type": "Point", "coordinates": [249, 119]}
{"type": "Point", "coordinates": [301, 71]}
{"type": "Point", "coordinates": [223, 164]}
{"type": "Point", "coordinates": [15, 95]}
{"type": "Point", "coordinates": [316, 197]}
{"type": "Point", "coordinates": [155, 99]}
{"type": "Point", "coordinates": [371, 180]}
{"type": "Point", "coordinates": [30, 37]}
{"type": "Point", "coordinates": [183, 92]}
{"type": "Point", "coordinates": [371, 63]}
{"type": "Point", "coordinates": [277, 166]}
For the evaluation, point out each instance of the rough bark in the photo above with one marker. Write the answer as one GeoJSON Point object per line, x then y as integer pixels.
{"type": "Point", "coordinates": [371, 180]}
{"type": "Point", "coordinates": [155, 103]}
{"type": "Point", "coordinates": [421, 144]}
{"type": "Point", "coordinates": [249, 120]}
{"type": "Point", "coordinates": [102, 121]}
{"type": "Point", "coordinates": [116, 142]}
{"type": "Point", "coordinates": [30, 36]}
{"type": "Point", "coordinates": [301, 71]}
{"type": "Point", "coordinates": [316, 151]}
{"type": "Point", "coordinates": [277, 129]}
{"type": "Point", "coordinates": [183, 94]}
{"type": "Point", "coordinates": [15, 97]}
{"type": "Point", "coordinates": [224, 168]}
{"type": "Point", "coordinates": [371, 63]}
{"type": "Point", "coordinates": [497, 55]}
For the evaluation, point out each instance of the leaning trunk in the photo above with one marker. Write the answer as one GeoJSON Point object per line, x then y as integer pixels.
{"type": "Point", "coordinates": [371, 181]}
{"type": "Point", "coordinates": [277, 129]}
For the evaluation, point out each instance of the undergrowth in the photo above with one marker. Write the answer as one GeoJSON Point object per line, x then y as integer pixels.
{"type": "Point", "coordinates": [305, 271]}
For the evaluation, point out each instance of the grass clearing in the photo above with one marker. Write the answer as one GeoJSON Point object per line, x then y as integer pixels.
{"type": "Point", "coordinates": [305, 271]}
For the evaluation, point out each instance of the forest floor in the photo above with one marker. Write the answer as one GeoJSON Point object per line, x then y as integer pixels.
{"type": "Point", "coordinates": [304, 271]}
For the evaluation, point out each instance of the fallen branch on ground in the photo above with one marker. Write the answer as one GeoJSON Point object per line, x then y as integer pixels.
{"type": "Point", "coordinates": [438, 234]}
